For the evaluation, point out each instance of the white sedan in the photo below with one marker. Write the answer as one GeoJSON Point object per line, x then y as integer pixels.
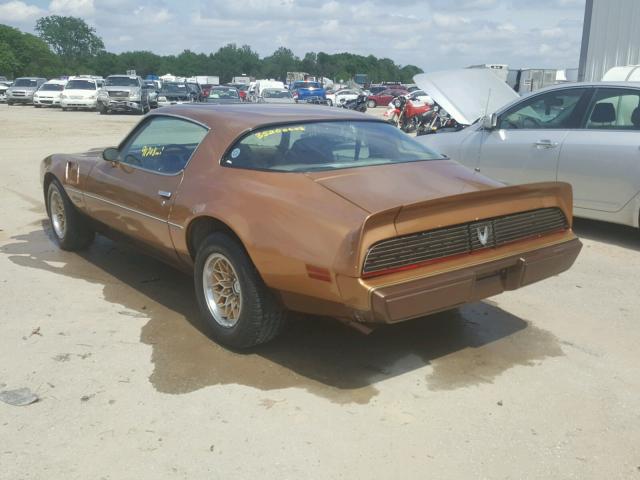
{"type": "Point", "coordinates": [344, 94]}
{"type": "Point", "coordinates": [80, 93]}
{"type": "Point", "coordinates": [586, 134]}
{"type": "Point", "coordinates": [49, 94]}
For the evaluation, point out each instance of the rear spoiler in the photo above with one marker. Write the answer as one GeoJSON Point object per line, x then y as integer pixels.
{"type": "Point", "coordinates": [463, 208]}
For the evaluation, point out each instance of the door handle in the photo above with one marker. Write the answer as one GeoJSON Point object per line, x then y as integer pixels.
{"type": "Point", "coordinates": [546, 144]}
{"type": "Point", "coordinates": [164, 194]}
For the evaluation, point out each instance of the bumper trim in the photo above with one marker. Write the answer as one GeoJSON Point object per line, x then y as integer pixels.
{"type": "Point", "coordinates": [424, 296]}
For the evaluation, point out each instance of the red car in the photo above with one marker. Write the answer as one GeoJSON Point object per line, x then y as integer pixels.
{"type": "Point", "coordinates": [384, 97]}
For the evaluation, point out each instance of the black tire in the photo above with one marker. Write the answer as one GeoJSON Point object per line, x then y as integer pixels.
{"type": "Point", "coordinates": [9, 103]}
{"type": "Point", "coordinates": [64, 109]}
{"type": "Point", "coordinates": [260, 318]}
{"type": "Point", "coordinates": [102, 110]}
{"type": "Point", "coordinates": [37, 106]}
{"type": "Point", "coordinates": [77, 234]}
{"type": "Point", "coordinates": [146, 108]}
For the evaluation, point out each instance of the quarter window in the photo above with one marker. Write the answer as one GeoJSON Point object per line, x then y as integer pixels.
{"type": "Point", "coordinates": [615, 109]}
{"type": "Point", "coordinates": [557, 109]}
{"type": "Point", "coordinates": [163, 144]}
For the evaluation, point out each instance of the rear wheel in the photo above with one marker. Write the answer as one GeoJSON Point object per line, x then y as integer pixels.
{"type": "Point", "coordinates": [64, 109]}
{"type": "Point", "coordinates": [70, 228]}
{"type": "Point", "coordinates": [235, 302]}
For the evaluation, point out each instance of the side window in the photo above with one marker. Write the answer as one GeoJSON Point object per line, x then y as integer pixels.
{"type": "Point", "coordinates": [163, 144]}
{"type": "Point", "coordinates": [614, 108]}
{"type": "Point", "coordinates": [556, 109]}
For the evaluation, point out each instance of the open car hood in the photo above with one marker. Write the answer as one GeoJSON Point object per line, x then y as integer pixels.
{"type": "Point", "coordinates": [466, 94]}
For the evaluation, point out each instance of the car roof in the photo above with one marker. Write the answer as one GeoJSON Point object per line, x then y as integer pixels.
{"type": "Point", "coordinates": [234, 119]}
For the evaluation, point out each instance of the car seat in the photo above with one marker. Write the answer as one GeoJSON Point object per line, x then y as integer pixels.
{"type": "Point", "coordinates": [603, 113]}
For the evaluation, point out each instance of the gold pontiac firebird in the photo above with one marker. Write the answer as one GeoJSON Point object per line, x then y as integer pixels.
{"type": "Point", "coordinates": [278, 208]}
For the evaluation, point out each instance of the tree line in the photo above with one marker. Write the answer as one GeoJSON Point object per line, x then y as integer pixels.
{"type": "Point", "coordinates": [68, 46]}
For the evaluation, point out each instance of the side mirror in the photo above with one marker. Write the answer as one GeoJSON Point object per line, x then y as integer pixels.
{"type": "Point", "coordinates": [110, 154]}
{"type": "Point", "coordinates": [490, 122]}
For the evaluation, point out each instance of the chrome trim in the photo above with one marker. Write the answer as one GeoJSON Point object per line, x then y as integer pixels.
{"type": "Point", "coordinates": [129, 209]}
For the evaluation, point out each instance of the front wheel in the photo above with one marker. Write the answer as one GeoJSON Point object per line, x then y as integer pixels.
{"type": "Point", "coordinates": [70, 228]}
{"type": "Point", "coordinates": [235, 302]}
{"type": "Point", "coordinates": [371, 104]}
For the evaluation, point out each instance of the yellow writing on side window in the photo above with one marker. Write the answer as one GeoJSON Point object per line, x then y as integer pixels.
{"type": "Point", "coordinates": [267, 133]}
{"type": "Point", "coordinates": [152, 151]}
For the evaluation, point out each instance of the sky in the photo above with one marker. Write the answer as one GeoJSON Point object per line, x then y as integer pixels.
{"type": "Point", "coordinates": [432, 34]}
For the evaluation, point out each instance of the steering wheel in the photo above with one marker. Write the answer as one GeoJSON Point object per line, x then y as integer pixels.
{"type": "Point", "coordinates": [180, 151]}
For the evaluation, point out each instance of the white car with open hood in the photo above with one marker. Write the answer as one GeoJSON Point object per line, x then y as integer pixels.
{"type": "Point", "coordinates": [586, 134]}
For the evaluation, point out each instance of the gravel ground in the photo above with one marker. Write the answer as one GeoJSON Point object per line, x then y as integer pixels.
{"type": "Point", "coordinates": [540, 383]}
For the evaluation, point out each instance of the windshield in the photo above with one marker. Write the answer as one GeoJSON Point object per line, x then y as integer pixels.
{"type": "Point", "coordinates": [306, 85]}
{"type": "Point", "coordinates": [174, 88]}
{"type": "Point", "coordinates": [121, 82]}
{"type": "Point", "coordinates": [224, 93]}
{"type": "Point", "coordinates": [313, 146]}
{"type": "Point", "coordinates": [25, 82]}
{"type": "Point", "coordinates": [52, 87]}
{"type": "Point", "coordinates": [80, 85]}
{"type": "Point", "coordinates": [276, 94]}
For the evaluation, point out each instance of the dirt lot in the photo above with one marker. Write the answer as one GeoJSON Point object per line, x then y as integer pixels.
{"type": "Point", "coordinates": [541, 383]}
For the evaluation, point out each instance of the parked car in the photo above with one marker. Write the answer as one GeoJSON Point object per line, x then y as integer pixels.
{"type": "Point", "coordinates": [80, 93]}
{"type": "Point", "coordinates": [316, 210]}
{"type": "Point", "coordinates": [223, 95]}
{"type": "Point", "coordinates": [174, 93]}
{"type": "Point", "coordinates": [152, 87]}
{"type": "Point", "coordinates": [384, 97]}
{"type": "Point", "coordinates": [586, 134]}
{"type": "Point", "coordinates": [49, 94]}
{"type": "Point", "coordinates": [343, 95]}
{"type": "Point", "coordinates": [23, 89]}
{"type": "Point", "coordinates": [308, 91]}
{"type": "Point", "coordinates": [124, 93]}
{"type": "Point", "coordinates": [276, 95]}
{"type": "Point", "coordinates": [4, 86]}
{"type": "Point", "coordinates": [196, 91]}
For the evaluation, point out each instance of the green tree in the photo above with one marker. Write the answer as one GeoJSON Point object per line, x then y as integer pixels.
{"type": "Point", "coordinates": [25, 54]}
{"type": "Point", "coordinates": [8, 62]}
{"type": "Point", "coordinates": [70, 38]}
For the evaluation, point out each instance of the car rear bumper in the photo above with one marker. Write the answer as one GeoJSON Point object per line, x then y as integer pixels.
{"type": "Point", "coordinates": [424, 296]}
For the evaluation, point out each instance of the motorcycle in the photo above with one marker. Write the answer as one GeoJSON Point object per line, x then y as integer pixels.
{"type": "Point", "coordinates": [437, 120]}
{"type": "Point", "coordinates": [358, 104]}
{"type": "Point", "coordinates": [407, 114]}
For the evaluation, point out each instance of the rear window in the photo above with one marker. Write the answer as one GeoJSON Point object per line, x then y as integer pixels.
{"type": "Point", "coordinates": [307, 85]}
{"type": "Point", "coordinates": [316, 146]}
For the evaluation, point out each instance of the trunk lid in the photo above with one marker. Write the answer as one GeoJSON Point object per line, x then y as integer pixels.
{"type": "Point", "coordinates": [383, 187]}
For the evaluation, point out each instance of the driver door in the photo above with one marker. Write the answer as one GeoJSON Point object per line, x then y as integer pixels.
{"type": "Point", "coordinates": [134, 195]}
{"type": "Point", "coordinates": [525, 147]}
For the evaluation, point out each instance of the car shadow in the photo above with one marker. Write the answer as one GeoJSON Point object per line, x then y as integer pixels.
{"type": "Point", "coordinates": [611, 233]}
{"type": "Point", "coordinates": [462, 347]}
